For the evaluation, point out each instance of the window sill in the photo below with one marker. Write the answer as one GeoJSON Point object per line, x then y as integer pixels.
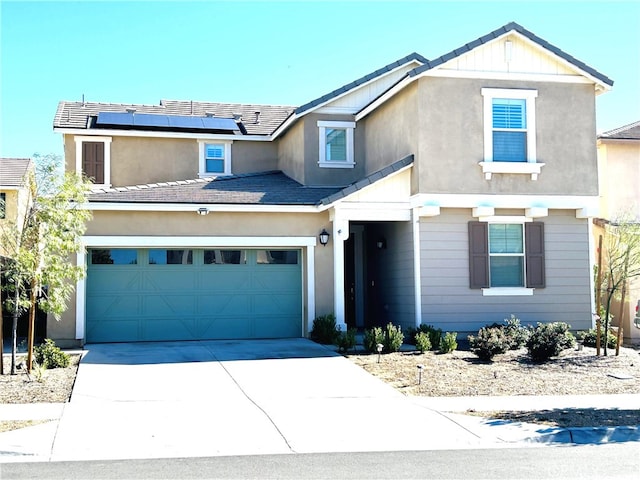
{"type": "Point", "coordinates": [507, 292]}
{"type": "Point", "coordinates": [526, 168]}
{"type": "Point", "coordinates": [336, 164]}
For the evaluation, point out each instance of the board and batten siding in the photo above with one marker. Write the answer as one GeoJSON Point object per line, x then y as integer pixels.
{"type": "Point", "coordinates": [449, 303]}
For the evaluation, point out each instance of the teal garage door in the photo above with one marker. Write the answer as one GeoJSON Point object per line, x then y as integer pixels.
{"type": "Point", "coordinates": [192, 294]}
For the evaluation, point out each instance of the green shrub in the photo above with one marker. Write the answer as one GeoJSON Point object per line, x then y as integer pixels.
{"type": "Point", "coordinates": [372, 337]}
{"type": "Point", "coordinates": [48, 355]}
{"type": "Point", "coordinates": [346, 340]}
{"type": "Point", "coordinates": [548, 340]}
{"type": "Point", "coordinates": [422, 342]}
{"type": "Point", "coordinates": [393, 338]}
{"type": "Point", "coordinates": [516, 333]}
{"type": "Point", "coordinates": [490, 341]}
{"type": "Point", "coordinates": [325, 330]}
{"type": "Point", "coordinates": [435, 334]}
{"type": "Point", "coordinates": [448, 343]}
{"type": "Point", "coordinates": [589, 338]}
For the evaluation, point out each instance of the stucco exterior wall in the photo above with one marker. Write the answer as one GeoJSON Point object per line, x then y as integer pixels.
{"type": "Point", "coordinates": [313, 173]}
{"type": "Point", "coordinates": [391, 131]}
{"type": "Point", "coordinates": [291, 152]}
{"type": "Point", "coordinates": [449, 303]}
{"type": "Point", "coordinates": [619, 163]}
{"type": "Point", "coordinates": [451, 137]}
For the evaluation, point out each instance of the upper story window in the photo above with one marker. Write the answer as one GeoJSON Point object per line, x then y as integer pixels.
{"type": "Point", "coordinates": [215, 158]}
{"type": "Point", "coordinates": [93, 159]}
{"type": "Point", "coordinates": [336, 144]}
{"type": "Point", "coordinates": [510, 132]}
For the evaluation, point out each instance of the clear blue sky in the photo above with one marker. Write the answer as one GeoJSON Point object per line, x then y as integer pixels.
{"type": "Point", "coordinates": [284, 53]}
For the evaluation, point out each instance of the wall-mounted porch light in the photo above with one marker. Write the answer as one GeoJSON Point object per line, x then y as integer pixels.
{"type": "Point", "coordinates": [202, 211]}
{"type": "Point", "coordinates": [324, 237]}
{"type": "Point", "coordinates": [381, 243]}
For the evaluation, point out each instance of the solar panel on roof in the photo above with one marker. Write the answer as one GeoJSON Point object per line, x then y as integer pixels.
{"type": "Point", "coordinates": [115, 118]}
{"type": "Point", "coordinates": [150, 120]}
{"type": "Point", "coordinates": [168, 122]}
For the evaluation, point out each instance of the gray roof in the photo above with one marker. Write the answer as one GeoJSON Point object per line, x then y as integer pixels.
{"type": "Point", "coordinates": [501, 31]}
{"type": "Point", "coordinates": [628, 132]}
{"type": "Point", "coordinates": [78, 114]}
{"type": "Point", "coordinates": [13, 171]}
{"type": "Point", "coordinates": [265, 188]}
{"type": "Point", "coordinates": [345, 88]}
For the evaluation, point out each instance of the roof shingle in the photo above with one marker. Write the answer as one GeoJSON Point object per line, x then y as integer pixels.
{"type": "Point", "coordinates": [13, 171]}
{"type": "Point", "coordinates": [627, 132]}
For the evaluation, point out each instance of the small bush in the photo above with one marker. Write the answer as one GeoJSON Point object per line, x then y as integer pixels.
{"type": "Point", "coordinates": [393, 338]}
{"type": "Point", "coordinates": [50, 356]}
{"type": "Point", "coordinates": [516, 333]}
{"type": "Point", "coordinates": [423, 344]}
{"type": "Point", "coordinates": [324, 330]}
{"type": "Point", "coordinates": [372, 337]}
{"type": "Point", "coordinates": [448, 343]}
{"type": "Point", "coordinates": [589, 338]}
{"type": "Point", "coordinates": [435, 334]}
{"type": "Point", "coordinates": [346, 340]}
{"type": "Point", "coordinates": [490, 341]}
{"type": "Point", "coordinates": [548, 340]}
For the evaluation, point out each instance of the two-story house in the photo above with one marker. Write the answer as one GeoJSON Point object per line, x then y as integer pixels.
{"type": "Point", "coordinates": [619, 170]}
{"type": "Point", "coordinates": [452, 192]}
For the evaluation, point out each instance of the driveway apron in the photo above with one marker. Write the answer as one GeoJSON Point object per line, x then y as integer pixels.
{"type": "Point", "coordinates": [207, 398]}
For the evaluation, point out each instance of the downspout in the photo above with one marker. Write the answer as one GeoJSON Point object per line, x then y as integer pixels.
{"type": "Point", "coordinates": [417, 284]}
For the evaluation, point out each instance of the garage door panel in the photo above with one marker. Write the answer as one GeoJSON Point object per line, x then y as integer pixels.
{"type": "Point", "coordinates": [173, 304]}
{"type": "Point", "coordinates": [143, 302]}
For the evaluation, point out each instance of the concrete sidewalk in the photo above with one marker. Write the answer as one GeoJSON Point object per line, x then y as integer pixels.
{"type": "Point", "coordinates": [192, 399]}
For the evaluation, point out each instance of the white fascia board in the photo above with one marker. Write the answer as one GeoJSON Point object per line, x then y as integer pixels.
{"type": "Point", "coordinates": [11, 187]}
{"type": "Point", "coordinates": [193, 207]}
{"type": "Point", "coordinates": [557, 202]}
{"type": "Point", "coordinates": [142, 133]}
{"type": "Point", "coordinates": [530, 77]}
{"type": "Point", "coordinates": [166, 241]}
{"type": "Point", "coordinates": [381, 212]}
{"type": "Point", "coordinates": [384, 97]}
{"type": "Point", "coordinates": [284, 126]}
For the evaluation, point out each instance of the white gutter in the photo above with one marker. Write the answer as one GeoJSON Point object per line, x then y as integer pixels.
{"type": "Point", "coordinates": [153, 134]}
{"type": "Point", "coordinates": [194, 207]}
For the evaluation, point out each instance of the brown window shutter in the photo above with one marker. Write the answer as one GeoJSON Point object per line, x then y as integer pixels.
{"type": "Point", "coordinates": [93, 161]}
{"type": "Point", "coordinates": [478, 255]}
{"type": "Point", "coordinates": [534, 240]}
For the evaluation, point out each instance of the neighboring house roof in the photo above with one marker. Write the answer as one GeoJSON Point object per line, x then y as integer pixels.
{"type": "Point", "coordinates": [628, 132]}
{"type": "Point", "coordinates": [512, 26]}
{"type": "Point", "coordinates": [13, 171]}
{"type": "Point", "coordinates": [350, 86]}
{"type": "Point", "coordinates": [79, 114]}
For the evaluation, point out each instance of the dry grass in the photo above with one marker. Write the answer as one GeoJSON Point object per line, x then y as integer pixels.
{"type": "Point", "coordinates": [54, 386]}
{"type": "Point", "coordinates": [574, 372]}
{"type": "Point", "coordinates": [461, 373]}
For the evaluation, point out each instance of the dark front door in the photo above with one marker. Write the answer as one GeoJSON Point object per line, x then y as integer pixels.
{"type": "Point", "coordinates": [349, 283]}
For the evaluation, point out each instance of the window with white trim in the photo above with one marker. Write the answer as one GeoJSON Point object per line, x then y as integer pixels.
{"type": "Point", "coordinates": [336, 144]}
{"type": "Point", "coordinates": [510, 132]}
{"type": "Point", "coordinates": [93, 159]}
{"type": "Point", "coordinates": [215, 158]}
{"type": "Point", "coordinates": [506, 257]}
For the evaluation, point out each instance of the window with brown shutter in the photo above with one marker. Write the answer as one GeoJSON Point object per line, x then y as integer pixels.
{"type": "Point", "coordinates": [503, 252]}
{"type": "Point", "coordinates": [93, 161]}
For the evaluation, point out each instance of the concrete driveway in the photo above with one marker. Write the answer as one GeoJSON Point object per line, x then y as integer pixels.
{"type": "Point", "coordinates": [185, 399]}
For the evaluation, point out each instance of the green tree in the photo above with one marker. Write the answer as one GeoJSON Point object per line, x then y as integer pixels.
{"type": "Point", "coordinates": [621, 262]}
{"type": "Point", "coordinates": [40, 271]}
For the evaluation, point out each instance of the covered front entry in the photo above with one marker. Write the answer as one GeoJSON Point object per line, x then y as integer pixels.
{"type": "Point", "coordinates": [138, 294]}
